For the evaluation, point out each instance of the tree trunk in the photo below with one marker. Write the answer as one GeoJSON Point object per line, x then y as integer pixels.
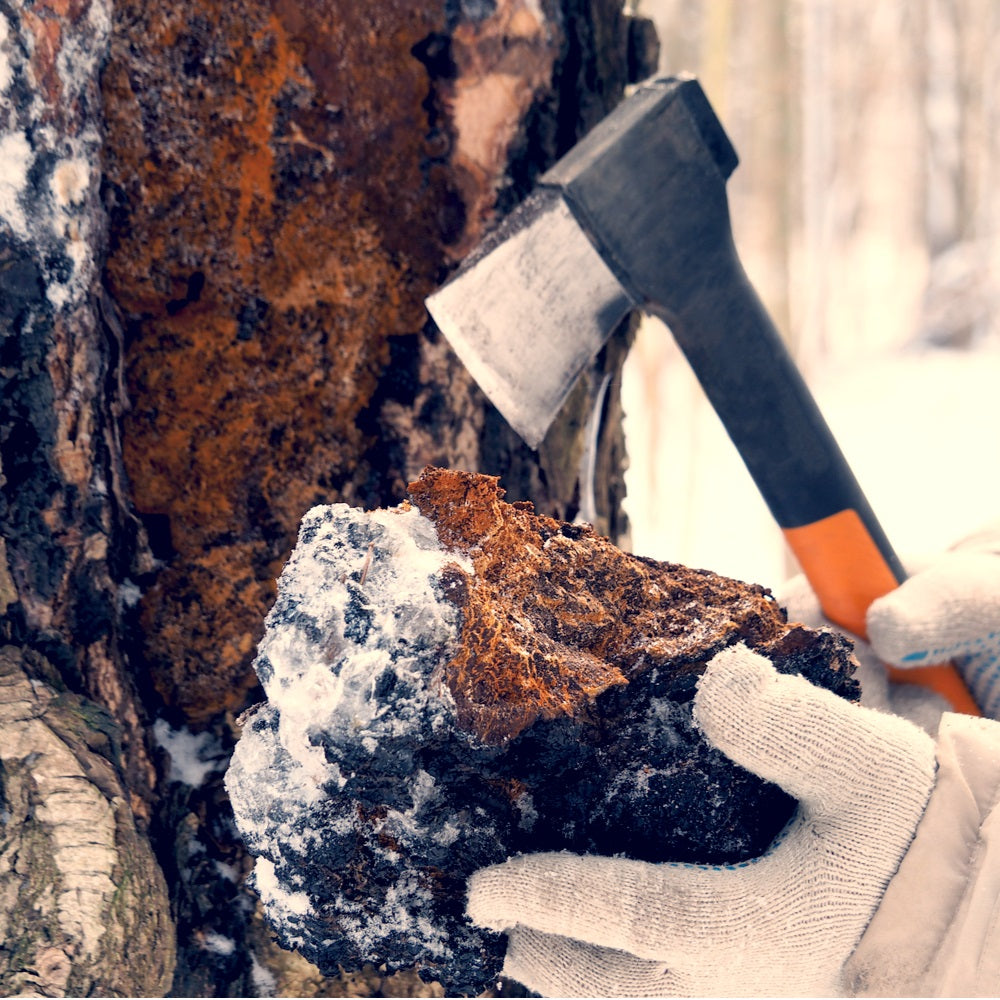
{"type": "Point", "coordinates": [218, 223]}
{"type": "Point", "coordinates": [78, 878]}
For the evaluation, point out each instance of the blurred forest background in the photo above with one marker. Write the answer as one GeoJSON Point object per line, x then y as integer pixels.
{"type": "Point", "coordinates": [866, 209]}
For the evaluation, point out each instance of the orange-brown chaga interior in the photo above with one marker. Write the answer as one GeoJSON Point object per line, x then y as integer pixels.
{"type": "Point", "coordinates": [553, 614]}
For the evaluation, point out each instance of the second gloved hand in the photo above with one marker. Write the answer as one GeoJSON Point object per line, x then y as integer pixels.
{"type": "Point", "coordinates": [948, 609]}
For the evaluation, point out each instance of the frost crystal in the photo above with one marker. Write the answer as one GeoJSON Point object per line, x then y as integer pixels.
{"type": "Point", "coordinates": [350, 662]}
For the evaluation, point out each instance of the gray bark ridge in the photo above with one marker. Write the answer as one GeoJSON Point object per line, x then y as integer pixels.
{"type": "Point", "coordinates": [79, 885]}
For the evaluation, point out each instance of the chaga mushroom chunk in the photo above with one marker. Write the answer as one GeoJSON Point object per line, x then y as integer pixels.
{"type": "Point", "coordinates": [459, 679]}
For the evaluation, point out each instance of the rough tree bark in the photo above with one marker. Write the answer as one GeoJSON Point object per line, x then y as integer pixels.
{"type": "Point", "coordinates": [218, 222]}
{"type": "Point", "coordinates": [78, 878]}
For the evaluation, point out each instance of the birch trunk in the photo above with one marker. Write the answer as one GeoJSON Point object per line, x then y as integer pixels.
{"type": "Point", "coordinates": [218, 223]}
{"type": "Point", "coordinates": [79, 881]}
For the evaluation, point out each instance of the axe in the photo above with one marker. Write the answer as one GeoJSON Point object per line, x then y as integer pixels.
{"type": "Point", "coordinates": [635, 216]}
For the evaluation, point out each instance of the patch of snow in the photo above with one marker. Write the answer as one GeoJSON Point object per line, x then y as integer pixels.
{"type": "Point", "coordinates": [99, 16]}
{"type": "Point", "coordinates": [16, 158]}
{"type": "Point", "coordinates": [448, 834]}
{"type": "Point", "coordinates": [275, 895]}
{"type": "Point", "coordinates": [70, 181]}
{"type": "Point", "coordinates": [193, 756]}
{"type": "Point", "coordinates": [230, 872]}
{"type": "Point", "coordinates": [396, 604]}
{"type": "Point", "coordinates": [526, 807]}
{"type": "Point", "coordinates": [400, 914]}
{"type": "Point", "coordinates": [129, 594]}
{"type": "Point", "coordinates": [6, 70]}
{"type": "Point", "coordinates": [263, 979]}
{"type": "Point", "coordinates": [273, 795]}
{"type": "Point", "coordinates": [422, 792]}
{"type": "Point", "coordinates": [49, 166]}
{"type": "Point", "coordinates": [71, 184]}
{"type": "Point", "coordinates": [218, 943]}
{"type": "Point", "coordinates": [348, 661]}
{"type": "Point", "coordinates": [662, 720]}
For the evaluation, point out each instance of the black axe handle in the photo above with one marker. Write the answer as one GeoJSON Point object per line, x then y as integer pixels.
{"type": "Point", "coordinates": [779, 431]}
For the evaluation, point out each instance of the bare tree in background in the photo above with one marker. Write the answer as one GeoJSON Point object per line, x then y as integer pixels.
{"type": "Point", "coordinates": [866, 206]}
{"type": "Point", "coordinates": [960, 87]}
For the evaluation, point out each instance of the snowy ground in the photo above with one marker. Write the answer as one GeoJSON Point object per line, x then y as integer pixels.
{"type": "Point", "coordinates": [921, 429]}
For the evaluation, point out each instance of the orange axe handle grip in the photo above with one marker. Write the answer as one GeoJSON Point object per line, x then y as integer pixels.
{"type": "Point", "coordinates": [847, 571]}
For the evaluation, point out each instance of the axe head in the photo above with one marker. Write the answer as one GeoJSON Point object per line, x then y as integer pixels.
{"type": "Point", "coordinates": [529, 309]}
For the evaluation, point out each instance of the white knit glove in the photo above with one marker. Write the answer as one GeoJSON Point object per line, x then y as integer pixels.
{"type": "Point", "coordinates": [949, 610]}
{"type": "Point", "coordinates": [783, 924]}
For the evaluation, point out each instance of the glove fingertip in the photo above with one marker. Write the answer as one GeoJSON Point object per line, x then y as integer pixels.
{"type": "Point", "coordinates": [486, 899]}
{"type": "Point", "coordinates": [948, 610]}
{"type": "Point", "coordinates": [892, 628]}
{"type": "Point", "coordinates": [794, 734]}
{"type": "Point", "coordinates": [736, 674]}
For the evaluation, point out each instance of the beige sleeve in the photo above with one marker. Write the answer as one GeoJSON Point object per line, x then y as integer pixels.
{"type": "Point", "coordinates": [937, 930]}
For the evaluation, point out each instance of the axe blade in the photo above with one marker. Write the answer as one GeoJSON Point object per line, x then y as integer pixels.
{"type": "Point", "coordinates": [496, 309]}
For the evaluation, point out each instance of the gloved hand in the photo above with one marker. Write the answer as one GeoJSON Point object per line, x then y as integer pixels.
{"type": "Point", "coordinates": [947, 610]}
{"type": "Point", "coordinates": [783, 924]}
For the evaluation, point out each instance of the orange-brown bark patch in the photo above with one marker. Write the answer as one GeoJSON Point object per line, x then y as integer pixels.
{"type": "Point", "coordinates": [271, 229]}
{"type": "Point", "coordinates": [283, 192]}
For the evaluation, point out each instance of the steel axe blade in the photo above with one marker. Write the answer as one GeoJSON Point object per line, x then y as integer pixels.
{"type": "Point", "coordinates": [538, 263]}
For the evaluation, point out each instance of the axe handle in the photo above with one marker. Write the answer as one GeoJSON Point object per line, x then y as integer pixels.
{"type": "Point", "coordinates": [759, 394]}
